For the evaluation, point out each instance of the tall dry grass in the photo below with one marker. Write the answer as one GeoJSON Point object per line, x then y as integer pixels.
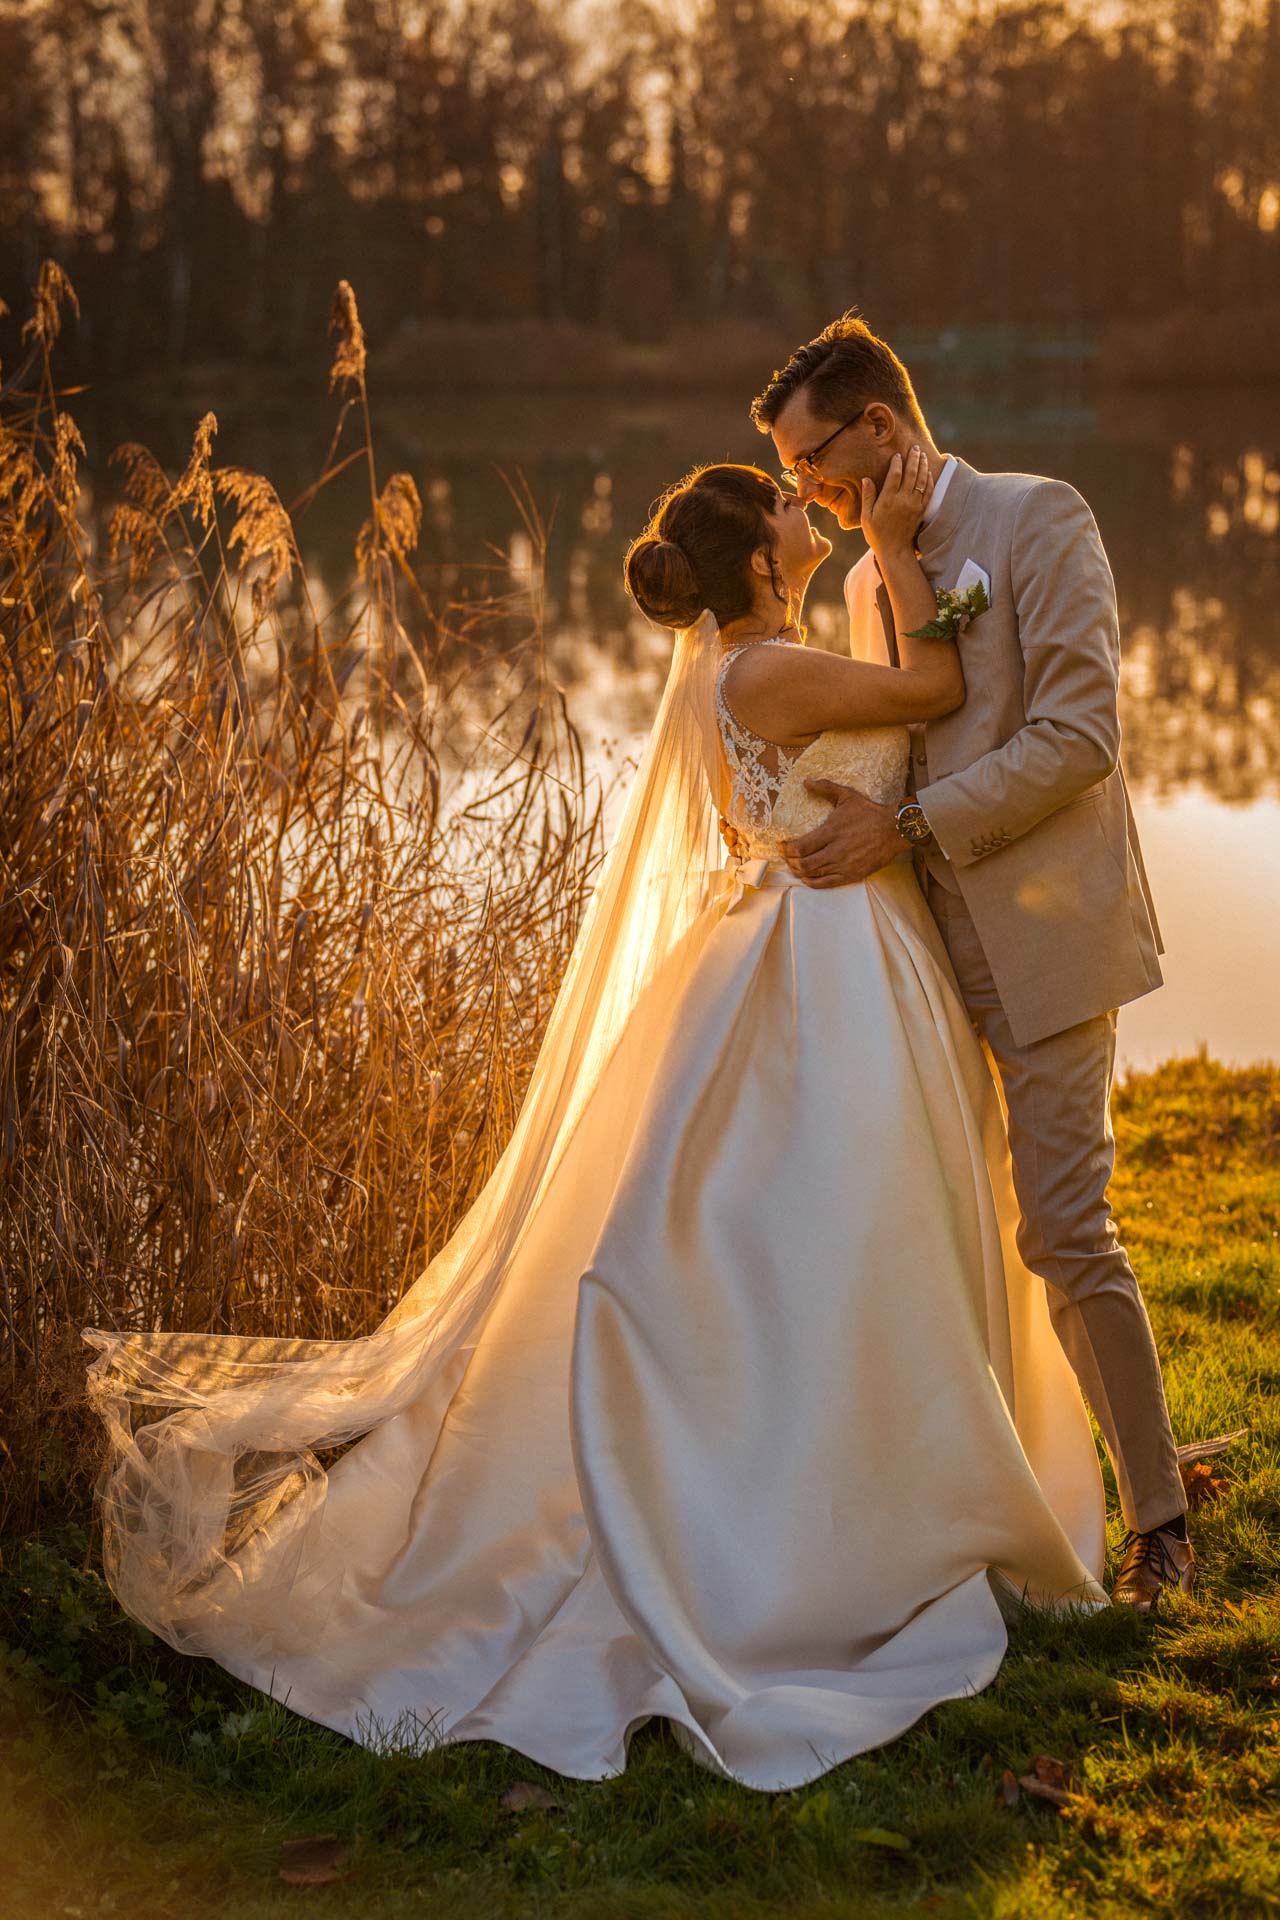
{"type": "Point", "coordinates": [274, 957]}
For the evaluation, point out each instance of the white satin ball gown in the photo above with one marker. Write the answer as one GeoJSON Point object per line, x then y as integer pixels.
{"type": "Point", "coordinates": [768, 1417]}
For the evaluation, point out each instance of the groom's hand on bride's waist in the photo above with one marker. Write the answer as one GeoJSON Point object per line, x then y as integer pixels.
{"type": "Point", "coordinates": [857, 838]}
{"type": "Point", "coordinates": [737, 843]}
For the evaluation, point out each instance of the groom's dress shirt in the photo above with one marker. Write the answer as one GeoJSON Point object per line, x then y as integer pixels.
{"type": "Point", "coordinates": [933, 857]}
{"type": "Point", "coordinates": [1022, 784]}
{"type": "Point", "coordinates": [940, 486]}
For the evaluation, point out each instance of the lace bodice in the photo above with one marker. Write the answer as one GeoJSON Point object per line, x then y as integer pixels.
{"type": "Point", "coordinates": [769, 802]}
{"type": "Point", "coordinates": [755, 785]}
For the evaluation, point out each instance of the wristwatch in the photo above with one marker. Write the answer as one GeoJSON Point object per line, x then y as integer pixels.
{"type": "Point", "coordinates": [911, 823]}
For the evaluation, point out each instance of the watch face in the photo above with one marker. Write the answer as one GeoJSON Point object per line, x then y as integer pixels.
{"type": "Point", "coordinates": [912, 823]}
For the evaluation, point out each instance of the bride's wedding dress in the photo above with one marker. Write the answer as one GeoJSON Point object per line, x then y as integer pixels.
{"type": "Point", "coordinates": [767, 1417]}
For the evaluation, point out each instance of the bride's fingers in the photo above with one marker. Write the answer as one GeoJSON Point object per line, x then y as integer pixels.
{"type": "Point", "coordinates": [893, 479]}
{"type": "Point", "coordinates": [914, 474]}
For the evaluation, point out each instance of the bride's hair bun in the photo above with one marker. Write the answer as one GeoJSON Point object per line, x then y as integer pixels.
{"type": "Point", "coordinates": [696, 551]}
{"type": "Point", "coordinates": [662, 582]}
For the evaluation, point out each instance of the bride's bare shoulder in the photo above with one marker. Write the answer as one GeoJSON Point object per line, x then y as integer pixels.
{"type": "Point", "coordinates": [765, 666]}
{"type": "Point", "coordinates": [764, 669]}
{"type": "Point", "coordinates": [762, 684]}
{"type": "Point", "coordinates": [753, 673]}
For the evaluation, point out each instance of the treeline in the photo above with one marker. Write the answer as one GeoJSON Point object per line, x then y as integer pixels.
{"type": "Point", "coordinates": [206, 170]}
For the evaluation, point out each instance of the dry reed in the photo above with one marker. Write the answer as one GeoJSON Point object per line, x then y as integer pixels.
{"type": "Point", "coordinates": [273, 968]}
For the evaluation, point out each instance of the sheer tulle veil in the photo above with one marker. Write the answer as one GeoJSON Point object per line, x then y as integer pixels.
{"type": "Point", "coordinates": [221, 1455]}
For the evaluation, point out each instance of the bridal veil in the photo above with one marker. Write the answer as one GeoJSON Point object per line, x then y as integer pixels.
{"type": "Point", "coordinates": [213, 1435]}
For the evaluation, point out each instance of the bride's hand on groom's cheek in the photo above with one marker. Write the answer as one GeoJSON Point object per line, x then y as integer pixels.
{"type": "Point", "coordinates": [891, 513]}
{"type": "Point", "coordinates": [857, 838]}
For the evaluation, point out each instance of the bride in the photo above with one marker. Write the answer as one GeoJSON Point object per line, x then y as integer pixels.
{"type": "Point", "coordinates": [730, 1400]}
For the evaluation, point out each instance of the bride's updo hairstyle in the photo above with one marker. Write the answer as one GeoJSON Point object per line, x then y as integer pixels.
{"type": "Point", "coordinates": [695, 551]}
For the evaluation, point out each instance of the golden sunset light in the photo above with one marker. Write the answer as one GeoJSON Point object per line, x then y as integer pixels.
{"type": "Point", "coordinates": [639, 1035]}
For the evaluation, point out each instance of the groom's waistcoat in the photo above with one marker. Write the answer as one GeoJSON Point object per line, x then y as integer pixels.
{"type": "Point", "coordinates": [1022, 785]}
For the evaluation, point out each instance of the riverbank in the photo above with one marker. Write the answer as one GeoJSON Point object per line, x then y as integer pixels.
{"type": "Point", "coordinates": [1239, 347]}
{"type": "Point", "coordinates": [1005, 365]}
{"type": "Point", "coordinates": [132, 1780]}
{"type": "Point", "coordinates": [527, 356]}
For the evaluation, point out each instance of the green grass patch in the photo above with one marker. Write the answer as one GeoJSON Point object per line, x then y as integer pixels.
{"type": "Point", "coordinates": [136, 1781]}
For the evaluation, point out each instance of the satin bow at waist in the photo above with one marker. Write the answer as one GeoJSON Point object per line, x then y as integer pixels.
{"type": "Point", "coordinates": [738, 877]}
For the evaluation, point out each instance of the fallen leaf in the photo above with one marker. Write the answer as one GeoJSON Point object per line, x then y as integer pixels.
{"type": "Point", "coordinates": [525, 1794]}
{"type": "Point", "coordinates": [1008, 1790]}
{"type": "Point", "coordinates": [1200, 1484]}
{"type": "Point", "coordinates": [1049, 1780]}
{"type": "Point", "coordinates": [314, 1862]}
{"type": "Point", "coordinates": [881, 1837]}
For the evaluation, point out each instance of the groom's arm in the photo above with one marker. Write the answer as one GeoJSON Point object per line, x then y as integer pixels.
{"type": "Point", "coordinates": [1065, 600]}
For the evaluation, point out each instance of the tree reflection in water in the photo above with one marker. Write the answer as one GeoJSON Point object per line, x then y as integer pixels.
{"type": "Point", "coordinates": [1201, 632]}
{"type": "Point", "coordinates": [1185, 488]}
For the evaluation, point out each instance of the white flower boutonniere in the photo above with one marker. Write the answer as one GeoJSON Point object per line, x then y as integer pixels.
{"type": "Point", "coordinates": [955, 611]}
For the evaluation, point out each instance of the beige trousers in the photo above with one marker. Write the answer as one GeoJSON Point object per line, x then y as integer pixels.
{"type": "Point", "coordinates": [1058, 1095]}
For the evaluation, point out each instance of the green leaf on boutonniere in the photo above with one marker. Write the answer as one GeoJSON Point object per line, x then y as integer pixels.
{"type": "Point", "coordinates": [955, 611]}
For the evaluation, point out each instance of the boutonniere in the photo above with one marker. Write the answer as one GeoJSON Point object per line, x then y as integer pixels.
{"type": "Point", "coordinates": [955, 611]}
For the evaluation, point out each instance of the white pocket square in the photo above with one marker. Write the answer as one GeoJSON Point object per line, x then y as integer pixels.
{"type": "Point", "coordinates": [970, 574]}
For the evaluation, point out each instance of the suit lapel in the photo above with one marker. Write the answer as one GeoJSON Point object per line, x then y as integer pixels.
{"type": "Point", "coordinates": [937, 535]}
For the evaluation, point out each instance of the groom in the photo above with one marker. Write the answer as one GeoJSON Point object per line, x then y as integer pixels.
{"type": "Point", "coordinates": [1025, 845]}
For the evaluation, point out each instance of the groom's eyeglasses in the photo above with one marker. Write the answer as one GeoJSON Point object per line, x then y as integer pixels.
{"type": "Point", "coordinates": [806, 467]}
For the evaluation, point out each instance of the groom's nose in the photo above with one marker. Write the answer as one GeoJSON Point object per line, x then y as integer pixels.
{"type": "Point", "coordinates": [820, 490]}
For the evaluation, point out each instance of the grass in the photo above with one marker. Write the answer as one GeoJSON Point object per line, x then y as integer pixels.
{"type": "Point", "coordinates": [142, 1782]}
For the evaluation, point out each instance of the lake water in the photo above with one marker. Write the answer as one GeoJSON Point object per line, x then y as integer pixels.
{"type": "Point", "coordinates": [1186, 491]}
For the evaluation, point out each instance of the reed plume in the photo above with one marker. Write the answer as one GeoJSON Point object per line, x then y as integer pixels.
{"type": "Point", "coordinates": [275, 954]}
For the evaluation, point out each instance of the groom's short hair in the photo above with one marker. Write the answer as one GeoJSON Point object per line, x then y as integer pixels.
{"type": "Point", "coordinates": [844, 368]}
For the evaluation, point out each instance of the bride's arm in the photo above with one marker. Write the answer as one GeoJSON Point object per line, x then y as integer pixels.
{"type": "Point", "coordinates": [790, 694]}
{"type": "Point", "coordinates": [793, 696]}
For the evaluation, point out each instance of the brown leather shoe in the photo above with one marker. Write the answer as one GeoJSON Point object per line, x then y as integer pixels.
{"type": "Point", "coordinates": [1149, 1563]}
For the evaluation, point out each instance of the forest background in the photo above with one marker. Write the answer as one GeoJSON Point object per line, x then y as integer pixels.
{"type": "Point", "coordinates": [206, 173]}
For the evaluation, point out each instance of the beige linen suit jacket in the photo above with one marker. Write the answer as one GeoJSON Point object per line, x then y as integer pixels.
{"type": "Point", "coordinates": [1022, 785]}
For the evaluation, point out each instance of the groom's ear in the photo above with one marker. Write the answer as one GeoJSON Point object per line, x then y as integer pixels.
{"type": "Point", "coordinates": [883, 422]}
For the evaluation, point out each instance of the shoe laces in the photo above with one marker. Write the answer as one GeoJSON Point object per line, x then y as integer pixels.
{"type": "Point", "coordinates": [1149, 1550]}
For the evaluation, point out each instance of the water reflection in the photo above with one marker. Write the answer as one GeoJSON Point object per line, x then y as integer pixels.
{"type": "Point", "coordinates": [1193, 540]}
{"type": "Point", "coordinates": [1201, 632]}
{"type": "Point", "coordinates": [1185, 490]}
{"type": "Point", "coordinates": [1212, 871]}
